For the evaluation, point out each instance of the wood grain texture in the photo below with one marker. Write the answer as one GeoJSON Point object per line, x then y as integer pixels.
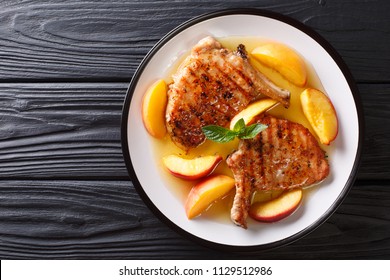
{"type": "Point", "coordinates": [61, 130]}
{"type": "Point", "coordinates": [64, 70]}
{"type": "Point", "coordinates": [376, 152]}
{"type": "Point", "coordinates": [106, 40]}
{"type": "Point", "coordinates": [72, 130]}
{"type": "Point", "coordinates": [107, 220]}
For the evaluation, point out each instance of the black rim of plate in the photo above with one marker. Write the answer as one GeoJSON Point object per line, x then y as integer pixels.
{"type": "Point", "coordinates": [257, 12]}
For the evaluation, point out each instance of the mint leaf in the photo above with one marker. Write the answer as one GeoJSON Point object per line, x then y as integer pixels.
{"type": "Point", "coordinates": [252, 130]}
{"type": "Point", "coordinates": [239, 126]}
{"type": "Point", "coordinates": [222, 135]}
{"type": "Point", "coordinates": [218, 133]}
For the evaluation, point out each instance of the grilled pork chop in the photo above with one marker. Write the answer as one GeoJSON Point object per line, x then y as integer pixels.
{"type": "Point", "coordinates": [283, 156]}
{"type": "Point", "coordinates": [210, 87]}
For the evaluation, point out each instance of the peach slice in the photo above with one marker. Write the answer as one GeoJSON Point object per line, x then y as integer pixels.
{"type": "Point", "coordinates": [253, 110]}
{"type": "Point", "coordinates": [320, 113]}
{"type": "Point", "coordinates": [153, 109]}
{"type": "Point", "coordinates": [278, 208]}
{"type": "Point", "coordinates": [264, 196]}
{"type": "Point", "coordinates": [191, 169]}
{"type": "Point", "coordinates": [206, 192]}
{"type": "Point", "coordinates": [284, 60]}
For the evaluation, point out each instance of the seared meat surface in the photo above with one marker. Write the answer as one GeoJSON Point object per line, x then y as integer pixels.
{"type": "Point", "coordinates": [210, 87]}
{"type": "Point", "coordinates": [283, 156]}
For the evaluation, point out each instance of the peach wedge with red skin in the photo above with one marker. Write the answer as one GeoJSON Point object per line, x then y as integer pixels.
{"type": "Point", "coordinates": [203, 194]}
{"type": "Point", "coordinates": [253, 110]}
{"type": "Point", "coordinates": [320, 113]}
{"type": "Point", "coordinates": [283, 59]}
{"type": "Point", "coordinates": [278, 208]}
{"type": "Point", "coordinates": [154, 104]}
{"type": "Point", "coordinates": [191, 169]}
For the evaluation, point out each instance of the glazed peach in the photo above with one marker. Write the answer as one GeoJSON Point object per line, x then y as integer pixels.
{"type": "Point", "coordinates": [264, 196]}
{"type": "Point", "coordinates": [206, 192]}
{"type": "Point", "coordinates": [153, 109]}
{"type": "Point", "coordinates": [191, 169]}
{"type": "Point", "coordinates": [278, 208]}
{"type": "Point", "coordinates": [253, 110]}
{"type": "Point", "coordinates": [284, 60]}
{"type": "Point", "coordinates": [320, 113]}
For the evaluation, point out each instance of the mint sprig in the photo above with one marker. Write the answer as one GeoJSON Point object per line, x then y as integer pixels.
{"type": "Point", "coordinates": [222, 135]}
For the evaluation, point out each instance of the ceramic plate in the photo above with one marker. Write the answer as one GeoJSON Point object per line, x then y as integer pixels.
{"type": "Point", "coordinates": [337, 82]}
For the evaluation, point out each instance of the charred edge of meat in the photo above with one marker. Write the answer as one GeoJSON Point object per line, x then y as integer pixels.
{"type": "Point", "coordinates": [241, 51]}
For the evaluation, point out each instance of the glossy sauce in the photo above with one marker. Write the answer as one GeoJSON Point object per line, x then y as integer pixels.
{"type": "Point", "coordinates": [221, 209]}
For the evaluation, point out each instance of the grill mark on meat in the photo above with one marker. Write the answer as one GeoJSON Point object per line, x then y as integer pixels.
{"type": "Point", "coordinates": [284, 156]}
{"type": "Point", "coordinates": [232, 78]}
{"type": "Point", "coordinates": [226, 84]}
{"type": "Point", "coordinates": [240, 79]}
{"type": "Point", "coordinates": [226, 102]}
{"type": "Point", "coordinates": [211, 86]}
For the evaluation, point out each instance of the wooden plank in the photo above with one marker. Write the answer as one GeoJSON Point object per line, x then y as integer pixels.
{"type": "Point", "coordinates": [376, 153]}
{"type": "Point", "coordinates": [66, 130]}
{"type": "Point", "coordinates": [105, 41]}
{"type": "Point", "coordinates": [54, 219]}
{"type": "Point", "coordinates": [61, 130]}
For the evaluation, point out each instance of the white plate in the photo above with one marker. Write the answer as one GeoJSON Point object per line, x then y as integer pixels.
{"type": "Point", "coordinates": [336, 81]}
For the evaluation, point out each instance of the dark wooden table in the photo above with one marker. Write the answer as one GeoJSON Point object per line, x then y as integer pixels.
{"type": "Point", "coordinates": [64, 70]}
